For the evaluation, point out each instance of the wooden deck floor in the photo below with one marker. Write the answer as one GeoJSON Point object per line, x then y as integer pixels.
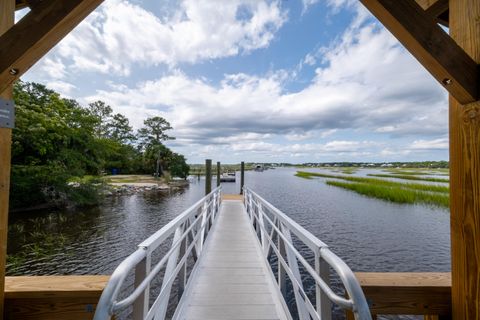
{"type": "Point", "coordinates": [231, 280]}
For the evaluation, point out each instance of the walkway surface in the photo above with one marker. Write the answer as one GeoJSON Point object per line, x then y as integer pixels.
{"type": "Point", "coordinates": [232, 280]}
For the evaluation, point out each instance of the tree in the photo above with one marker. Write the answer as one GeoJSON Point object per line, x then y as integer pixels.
{"type": "Point", "coordinates": [103, 113]}
{"type": "Point", "coordinates": [178, 166]}
{"type": "Point", "coordinates": [119, 129]}
{"type": "Point", "coordinates": [154, 131]}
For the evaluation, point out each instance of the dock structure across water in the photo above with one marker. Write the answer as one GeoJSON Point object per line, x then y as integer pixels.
{"type": "Point", "coordinates": [232, 280]}
{"type": "Point", "coordinates": [229, 257]}
{"type": "Point", "coordinates": [231, 239]}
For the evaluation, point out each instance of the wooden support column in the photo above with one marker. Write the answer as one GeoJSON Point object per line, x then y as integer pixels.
{"type": "Point", "coordinates": [208, 176]}
{"type": "Point", "coordinates": [7, 12]}
{"type": "Point", "coordinates": [465, 173]}
{"type": "Point", "coordinates": [218, 173]}
{"type": "Point", "coordinates": [242, 176]}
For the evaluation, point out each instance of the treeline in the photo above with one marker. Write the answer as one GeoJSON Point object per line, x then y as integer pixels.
{"type": "Point", "coordinates": [60, 148]}
{"type": "Point", "coordinates": [413, 164]}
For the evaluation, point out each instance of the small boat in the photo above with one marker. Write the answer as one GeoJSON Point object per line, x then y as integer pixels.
{"type": "Point", "coordinates": [227, 177]}
{"type": "Point", "coordinates": [259, 168]}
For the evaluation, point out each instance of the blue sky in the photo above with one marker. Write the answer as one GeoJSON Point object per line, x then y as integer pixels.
{"type": "Point", "coordinates": [256, 80]}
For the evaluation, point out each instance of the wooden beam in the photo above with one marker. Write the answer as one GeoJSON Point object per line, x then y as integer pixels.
{"type": "Point", "coordinates": [439, 12]}
{"type": "Point", "coordinates": [430, 45]}
{"type": "Point", "coordinates": [53, 297]}
{"type": "Point", "coordinates": [38, 32]}
{"type": "Point", "coordinates": [465, 173]}
{"type": "Point", "coordinates": [426, 4]}
{"type": "Point", "coordinates": [7, 13]}
{"type": "Point", "coordinates": [421, 293]}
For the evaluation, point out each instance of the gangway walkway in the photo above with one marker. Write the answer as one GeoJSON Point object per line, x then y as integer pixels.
{"type": "Point", "coordinates": [232, 280]}
{"type": "Point", "coordinates": [220, 261]}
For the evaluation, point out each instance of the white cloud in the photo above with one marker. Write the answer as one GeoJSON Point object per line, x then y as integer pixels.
{"type": "Point", "coordinates": [121, 34]}
{"type": "Point", "coordinates": [64, 88]}
{"type": "Point", "coordinates": [435, 144]}
{"type": "Point", "coordinates": [367, 82]}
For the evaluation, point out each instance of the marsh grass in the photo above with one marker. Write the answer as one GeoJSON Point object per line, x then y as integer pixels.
{"type": "Point", "coordinates": [410, 173]}
{"type": "Point", "coordinates": [304, 175]}
{"type": "Point", "coordinates": [349, 171]}
{"type": "Point", "coordinates": [393, 193]}
{"type": "Point", "coordinates": [408, 177]}
{"type": "Point", "coordinates": [377, 182]}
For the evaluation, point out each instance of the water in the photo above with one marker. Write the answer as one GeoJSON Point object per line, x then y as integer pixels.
{"type": "Point", "coordinates": [369, 234]}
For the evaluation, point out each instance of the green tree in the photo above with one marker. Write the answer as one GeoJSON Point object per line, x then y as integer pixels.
{"type": "Point", "coordinates": [119, 129]}
{"type": "Point", "coordinates": [103, 114]}
{"type": "Point", "coordinates": [154, 131]}
{"type": "Point", "coordinates": [178, 166]}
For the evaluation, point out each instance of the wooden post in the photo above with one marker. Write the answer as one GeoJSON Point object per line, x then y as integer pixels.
{"type": "Point", "coordinates": [208, 176]}
{"type": "Point", "coordinates": [465, 173]}
{"type": "Point", "coordinates": [7, 12]}
{"type": "Point", "coordinates": [242, 176]}
{"type": "Point", "coordinates": [218, 173]}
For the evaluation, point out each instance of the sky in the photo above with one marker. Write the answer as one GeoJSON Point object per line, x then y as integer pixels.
{"type": "Point", "coordinates": [255, 80]}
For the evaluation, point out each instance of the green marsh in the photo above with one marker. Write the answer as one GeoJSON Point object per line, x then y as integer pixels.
{"type": "Point", "coordinates": [399, 192]}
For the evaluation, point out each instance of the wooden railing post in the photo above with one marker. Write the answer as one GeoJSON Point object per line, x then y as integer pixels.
{"type": "Point", "coordinates": [7, 12]}
{"type": "Point", "coordinates": [208, 176]}
{"type": "Point", "coordinates": [242, 176]}
{"type": "Point", "coordinates": [218, 173]}
{"type": "Point", "coordinates": [465, 173]}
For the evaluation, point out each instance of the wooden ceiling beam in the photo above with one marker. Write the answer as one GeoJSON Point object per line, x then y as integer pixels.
{"type": "Point", "coordinates": [437, 9]}
{"type": "Point", "coordinates": [40, 30]}
{"type": "Point", "coordinates": [430, 45]}
{"type": "Point", "coordinates": [425, 4]}
{"type": "Point", "coordinates": [21, 4]}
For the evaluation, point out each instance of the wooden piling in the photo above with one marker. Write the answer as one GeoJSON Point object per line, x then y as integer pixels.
{"type": "Point", "coordinates": [465, 173]}
{"type": "Point", "coordinates": [208, 176]}
{"type": "Point", "coordinates": [242, 176]}
{"type": "Point", "coordinates": [218, 173]}
{"type": "Point", "coordinates": [7, 12]}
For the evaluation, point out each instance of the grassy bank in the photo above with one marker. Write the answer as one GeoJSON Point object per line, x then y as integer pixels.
{"type": "Point", "coordinates": [409, 177]}
{"type": "Point", "coordinates": [398, 192]}
{"type": "Point", "coordinates": [378, 182]}
{"type": "Point", "coordinates": [394, 194]}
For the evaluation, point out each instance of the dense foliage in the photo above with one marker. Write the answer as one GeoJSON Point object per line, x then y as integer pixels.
{"type": "Point", "coordinates": [57, 142]}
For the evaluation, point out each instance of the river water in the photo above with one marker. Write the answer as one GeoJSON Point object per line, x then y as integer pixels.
{"type": "Point", "coordinates": [369, 234]}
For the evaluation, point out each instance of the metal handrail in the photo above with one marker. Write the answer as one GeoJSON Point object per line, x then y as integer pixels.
{"type": "Point", "coordinates": [189, 231]}
{"type": "Point", "coordinates": [274, 230]}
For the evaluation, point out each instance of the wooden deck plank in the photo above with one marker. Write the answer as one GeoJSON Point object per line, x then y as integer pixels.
{"type": "Point", "coordinates": [23, 287]}
{"type": "Point", "coordinates": [232, 280]}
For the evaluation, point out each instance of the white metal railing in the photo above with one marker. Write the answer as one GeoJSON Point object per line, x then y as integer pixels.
{"type": "Point", "coordinates": [189, 231]}
{"type": "Point", "coordinates": [274, 230]}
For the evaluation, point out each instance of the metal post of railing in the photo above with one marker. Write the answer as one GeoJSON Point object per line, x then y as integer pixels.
{"type": "Point", "coordinates": [182, 275]}
{"type": "Point", "coordinates": [282, 274]}
{"type": "Point", "coordinates": [324, 305]}
{"type": "Point", "coordinates": [263, 236]}
{"type": "Point", "coordinates": [171, 265]}
{"type": "Point", "coordinates": [293, 265]}
{"type": "Point", "coordinates": [140, 306]}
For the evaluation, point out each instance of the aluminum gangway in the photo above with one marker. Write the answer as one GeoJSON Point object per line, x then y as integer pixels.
{"type": "Point", "coordinates": [231, 257]}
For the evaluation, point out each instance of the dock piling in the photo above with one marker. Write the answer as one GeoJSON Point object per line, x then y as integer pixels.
{"type": "Point", "coordinates": [218, 173]}
{"type": "Point", "coordinates": [242, 176]}
{"type": "Point", "coordinates": [208, 176]}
